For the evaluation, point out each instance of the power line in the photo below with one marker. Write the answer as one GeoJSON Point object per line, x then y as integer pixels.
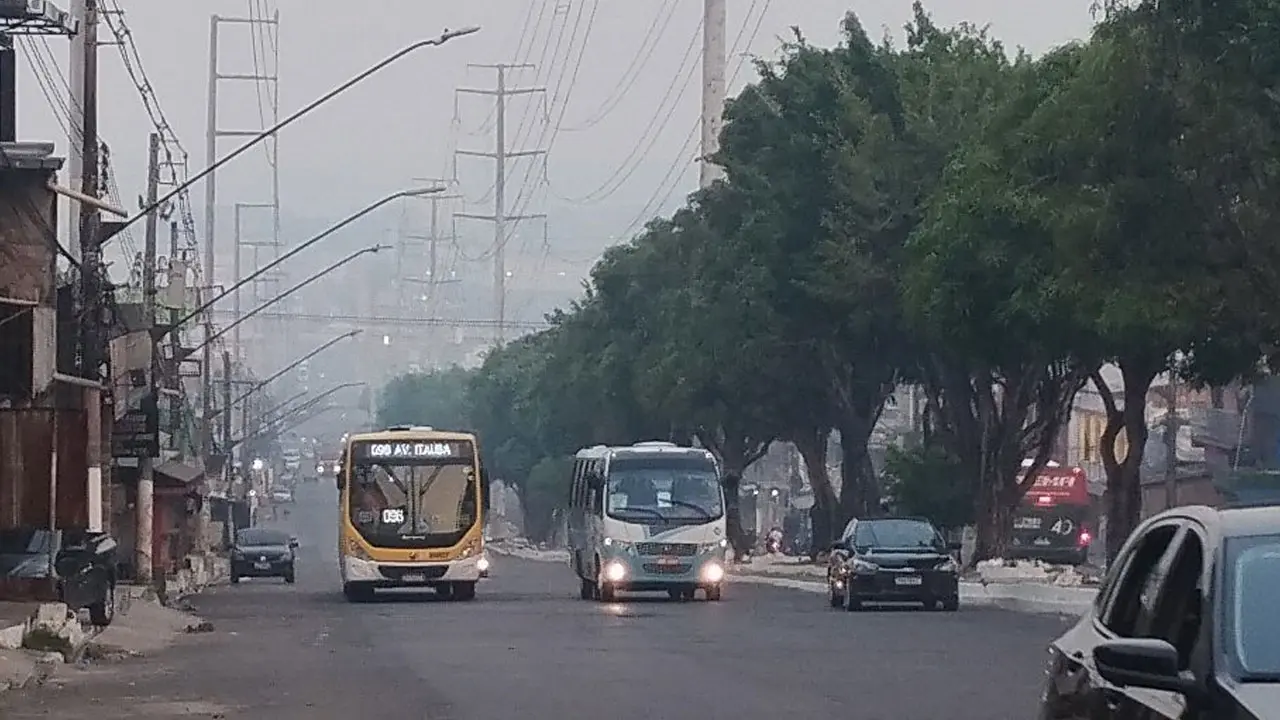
{"type": "Point", "coordinates": [638, 62]}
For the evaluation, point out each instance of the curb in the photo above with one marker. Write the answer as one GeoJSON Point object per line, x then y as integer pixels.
{"type": "Point", "coordinates": [1026, 598]}
{"type": "Point", "coordinates": [1031, 598]}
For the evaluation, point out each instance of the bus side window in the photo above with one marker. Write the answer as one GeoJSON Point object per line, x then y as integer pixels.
{"type": "Point", "coordinates": [575, 487]}
{"type": "Point", "coordinates": [597, 493]}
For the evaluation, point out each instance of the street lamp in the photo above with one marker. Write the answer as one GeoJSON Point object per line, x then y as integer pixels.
{"type": "Point", "coordinates": [160, 202]}
{"type": "Point", "coordinates": [413, 192]}
{"type": "Point", "coordinates": [214, 337]}
{"type": "Point", "coordinates": [258, 386]}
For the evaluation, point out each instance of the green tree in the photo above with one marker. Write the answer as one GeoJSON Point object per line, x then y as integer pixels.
{"type": "Point", "coordinates": [438, 399]}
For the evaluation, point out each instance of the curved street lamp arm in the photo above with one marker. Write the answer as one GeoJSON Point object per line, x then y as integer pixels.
{"type": "Point", "coordinates": [214, 337]}
{"type": "Point", "coordinates": [275, 263]}
{"type": "Point", "coordinates": [258, 386]}
{"type": "Point", "coordinates": [444, 37]}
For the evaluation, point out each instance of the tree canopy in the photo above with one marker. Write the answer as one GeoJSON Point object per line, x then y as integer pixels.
{"type": "Point", "coordinates": [988, 227]}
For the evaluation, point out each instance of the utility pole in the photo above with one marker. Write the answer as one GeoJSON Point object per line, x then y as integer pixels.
{"type": "Point", "coordinates": [500, 155]}
{"type": "Point", "coordinates": [714, 61]}
{"type": "Point", "coordinates": [93, 340]}
{"type": "Point", "coordinates": [177, 303]}
{"type": "Point", "coordinates": [75, 134]}
{"type": "Point", "coordinates": [226, 403]}
{"type": "Point", "coordinates": [1172, 425]}
{"type": "Point", "coordinates": [146, 464]}
{"type": "Point", "coordinates": [8, 88]}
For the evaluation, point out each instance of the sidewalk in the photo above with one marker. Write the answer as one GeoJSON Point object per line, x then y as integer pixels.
{"type": "Point", "coordinates": [36, 639]}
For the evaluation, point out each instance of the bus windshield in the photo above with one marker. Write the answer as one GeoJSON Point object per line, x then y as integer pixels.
{"type": "Point", "coordinates": [413, 502]}
{"type": "Point", "coordinates": [668, 490]}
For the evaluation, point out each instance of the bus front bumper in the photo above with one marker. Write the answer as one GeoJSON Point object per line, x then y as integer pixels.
{"type": "Point", "coordinates": [643, 574]}
{"type": "Point", "coordinates": [387, 574]}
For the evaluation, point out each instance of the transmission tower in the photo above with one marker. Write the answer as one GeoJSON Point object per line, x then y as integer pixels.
{"type": "Point", "coordinates": [263, 250]}
{"type": "Point", "coordinates": [500, 155]}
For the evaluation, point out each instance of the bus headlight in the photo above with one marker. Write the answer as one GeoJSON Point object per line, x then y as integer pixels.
{"type": "Point", "coordinates": [712, 572]}
{"type": "Point", "coordinates": [482, 564]}
{"type": "Point", "coordinates": [615, 571]}
{"type": "Point", "coordinates": [621, 546]}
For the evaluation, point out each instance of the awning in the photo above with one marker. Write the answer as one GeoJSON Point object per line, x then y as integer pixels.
{"type": "Point", "coordinates": [176, 474]}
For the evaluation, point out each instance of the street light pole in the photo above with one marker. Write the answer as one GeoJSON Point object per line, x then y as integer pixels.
{"type": "Point", "coordinates": [291, 412]}
{"type": "Point", "coordinates": [413, 192]}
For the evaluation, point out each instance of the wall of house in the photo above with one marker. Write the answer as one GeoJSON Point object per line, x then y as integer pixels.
{"type": "Point", "coordinates": [27, 220]}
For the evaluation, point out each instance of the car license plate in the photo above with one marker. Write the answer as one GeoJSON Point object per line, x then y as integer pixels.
{"type": "Point", "coordinates": [262, 566]}
{"type": "Point", "coordinates": [910, 580]}
{"type": "Point", "coordinates": [414, 577]}
{"type": "Point", "coordinates": [668, 561]}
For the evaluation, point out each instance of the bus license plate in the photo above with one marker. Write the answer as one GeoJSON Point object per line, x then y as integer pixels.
{"type": "Point", "coordinates": [414, 577]}
{"type": "Point", "coordinates": [668, 561]}
{"type": "Point", "coordinates": [262, 566]}
{"type": "Point", "coordinates": [908, 581]}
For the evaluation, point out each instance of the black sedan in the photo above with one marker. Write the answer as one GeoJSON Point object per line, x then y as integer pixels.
{"type": "Point", "coordinates": [1184, 625]}
{"type": "Point", "coordinates": [263, 553]}
{"type": "Point", "coordinates": [893, 559]}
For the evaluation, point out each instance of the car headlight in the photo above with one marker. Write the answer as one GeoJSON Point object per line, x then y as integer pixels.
{"type": "Point", "coordinates": [948, 565]}
{"type": "Point", "coordinates": [712, 572]}
{"type": "Point", "coordinates": [862, 566]}
{"type": "Point", "coordinates": [714, 546]}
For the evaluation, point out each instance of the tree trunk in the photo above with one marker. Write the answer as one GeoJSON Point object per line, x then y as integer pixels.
{"type": "Point", "coordinates": [859, 490]}
{"type": "Point", "coordinates": [1124, 477]}
{"type": "Point", "coordinates": [736, 452]}
{"type": "Point", "coordinates": [812, 446]}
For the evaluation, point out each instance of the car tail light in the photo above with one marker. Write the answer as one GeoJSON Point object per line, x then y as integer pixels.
{"type": "Point", "coordinates": [1085, 538]}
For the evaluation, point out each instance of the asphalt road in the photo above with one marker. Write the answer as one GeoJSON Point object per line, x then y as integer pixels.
{"type": "Point", "coordinates": [527, 648]}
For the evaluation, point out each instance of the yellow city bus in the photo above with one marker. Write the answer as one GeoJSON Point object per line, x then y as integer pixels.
{"type": "Point", "coordinates": [412, 506]}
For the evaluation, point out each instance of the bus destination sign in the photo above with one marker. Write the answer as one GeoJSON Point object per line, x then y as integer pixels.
{"type": "Point", "coordinates": [437, 450]}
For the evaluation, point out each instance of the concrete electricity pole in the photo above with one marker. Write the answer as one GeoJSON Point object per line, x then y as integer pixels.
{"type": "Point", "coordinates": [500, 155]}
{"type": "Point", "coordinates": [146, 464]}
{"type": "Point", "coordinates": [714, 61]}
{"type": "Point", "coordinates": [75, 139]}
{"type": "Point", "coordinates": [93, 340]}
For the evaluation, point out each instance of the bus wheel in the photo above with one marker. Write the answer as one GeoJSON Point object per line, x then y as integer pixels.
{"type": "Point", "coordinates": [464, 591]}
{"type": "Point", "coordinates": [607, 592]}
{"type": "Point", "coordinates": [357, 593]}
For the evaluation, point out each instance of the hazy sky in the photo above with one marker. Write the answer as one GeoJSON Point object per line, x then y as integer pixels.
{"type": "Point", "coordinates": [406, 121]}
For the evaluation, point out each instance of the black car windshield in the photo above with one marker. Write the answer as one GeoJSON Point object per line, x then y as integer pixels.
{"type": "Point", "coordinates": [1252, 585]}
{"type": "Point", "coordinates": [680, 489]}
{"type": "Point", "coordinates": [897, 534]}
{"type": "Point", "coordinates": [257, 536]}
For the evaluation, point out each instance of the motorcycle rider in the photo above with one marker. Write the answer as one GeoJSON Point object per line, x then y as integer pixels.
{"type": "Point", "coordinates": [773, 541]}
